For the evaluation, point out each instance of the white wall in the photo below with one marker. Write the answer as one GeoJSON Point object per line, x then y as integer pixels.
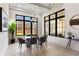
{"type": "Point", "coordinates": [70, 10]}
{"type": "Point", "coordinates": [4, 35]}
{"type": "Point", "coordinates": [57, 40]}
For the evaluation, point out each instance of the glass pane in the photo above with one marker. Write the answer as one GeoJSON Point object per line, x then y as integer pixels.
{"type": "Point", "coordinates": [27, 28]}
{"type": "Point", "coordinates": [52, 16]}
{"type": "Point", "coordinates": [19, 28]}
{"type": "Point", "coordinates": [34, 19]}
{"type": "Point", "coordinates": [47, 18]}
{"type": "Point", "coordinates": [60, 13]}
{"type": "Point", "coordinates": [34, 28]}
{"type": "Point", "coordinates": [19, 17]}
{"type": "Point", "coordinates": [47, 27]}
{"type": "Point", "coordinates": [28, 18]}
{"type": "Point", "coordinates": [52, 27]}
{"type": "Point", "coordinates": [60, 26]}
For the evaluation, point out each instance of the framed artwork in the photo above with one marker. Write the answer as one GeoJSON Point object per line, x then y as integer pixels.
{"type": "Point", "coordinates": [3, 20]}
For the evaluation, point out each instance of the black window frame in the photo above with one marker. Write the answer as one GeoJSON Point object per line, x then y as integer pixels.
{"type": "Point", "coordinates": [49, 20]}
{"type": "Point", "coordinates": [24, 25]}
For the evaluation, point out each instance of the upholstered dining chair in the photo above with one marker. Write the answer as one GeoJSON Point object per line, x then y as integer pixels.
{"type": "Point", "coordinates": [33, 41]}
{"type": "Point", "coordinates": [21, 41]}
{"type": "Point", "coordinates": [42, 40]}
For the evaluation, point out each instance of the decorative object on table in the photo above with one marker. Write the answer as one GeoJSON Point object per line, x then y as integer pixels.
{"type": "Point", "coordinates": [3, 20]}
{"type": "Point", "coordinates": [70, 34]}
{"type": "Point", "coordinates": [11, 29]}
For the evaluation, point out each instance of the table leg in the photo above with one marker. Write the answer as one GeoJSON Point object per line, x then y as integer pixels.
{"type": "Point", "coordinates": [69, 43]}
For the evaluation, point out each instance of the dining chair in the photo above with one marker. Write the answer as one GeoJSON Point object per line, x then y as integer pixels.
{"type": "Point", "coordinates": [21, 41]}
{"type": "Point", "coordinates": [42, 40]}
{"type": "Point", "coordinates": [33, 41]}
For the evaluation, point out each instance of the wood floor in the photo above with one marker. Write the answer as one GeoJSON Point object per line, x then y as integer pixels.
{"type": "Point", "coordinates": [49, 50]}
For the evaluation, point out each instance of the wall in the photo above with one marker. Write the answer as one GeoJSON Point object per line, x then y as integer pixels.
{"type": "Point", "coordinates": [4, 35]}
{"type": "Point", "coordinates": [70, 10]}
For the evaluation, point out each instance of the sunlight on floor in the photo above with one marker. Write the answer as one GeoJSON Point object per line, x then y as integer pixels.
{"type": "Point", "coordinates": [49, 50]}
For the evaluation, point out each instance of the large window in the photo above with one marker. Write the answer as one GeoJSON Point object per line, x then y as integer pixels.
{"type": "Point", "coordinates": [60, 27]}
{"type": "Point", "coordinates": [34, 28]}
{"type": "Point", "coordinates": [26, 25]}
{"type": "Point", "coordinates": [54, 24]}
{"type": "Point", "coordinates": [52, 27]}
{"type": "Point", "coordinates": [19, 28]}
{"type": "Point", "coordinates": [27, 28]}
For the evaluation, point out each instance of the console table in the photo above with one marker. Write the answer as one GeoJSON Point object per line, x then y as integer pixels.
{"type": "Point", "coordinates": [69, 42]}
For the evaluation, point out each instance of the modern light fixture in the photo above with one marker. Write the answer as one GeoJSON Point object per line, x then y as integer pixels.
{"type": "Point", "coordinates": [34, 18]}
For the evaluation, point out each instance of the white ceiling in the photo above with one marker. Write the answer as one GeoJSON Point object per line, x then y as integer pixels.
{"type": "Point", "coordinates": [38, 8]}
{"type": "Point", "coordinates": [43, 5]}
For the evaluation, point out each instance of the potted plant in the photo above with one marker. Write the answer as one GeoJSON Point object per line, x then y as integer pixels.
{"type": "Point", "coordinates": [12, 27]}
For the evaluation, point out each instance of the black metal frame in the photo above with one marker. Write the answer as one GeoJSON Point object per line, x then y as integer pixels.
{"type": "Point", "coordinates": [31, 22]}
{"type": "Point", "coordinates": [56, 17]}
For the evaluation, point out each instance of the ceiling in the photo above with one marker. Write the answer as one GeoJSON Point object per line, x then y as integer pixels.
{"type": "Point", "coordinates": [43, 5]}
{"type": "Point", "coordinates": [39, 8]}
{"type": "Point", "coordinates": [30, 7]}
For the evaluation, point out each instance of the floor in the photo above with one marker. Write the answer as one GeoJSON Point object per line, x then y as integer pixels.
{"type": "Point", "coordinates": [49, 50]}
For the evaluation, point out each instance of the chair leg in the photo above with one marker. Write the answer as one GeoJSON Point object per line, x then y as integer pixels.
{"type": "Point", "coordinates": [41, 44]}
{"type": "Point", "coordinates": [20, 47]}
{"type": "Point", "coordinates": [37, 46]}
{"type": "Point", "coordinates": [37, 50]}
{"type": "Point", "coordinates": [30, 47]}
{"type": "Point", "coordinates": [46, 43]}
{"type": "Point", "coordinates": [68, 44]}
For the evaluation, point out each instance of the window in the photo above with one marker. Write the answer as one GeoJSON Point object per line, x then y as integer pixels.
{"type": "Point", "coordinates": [52, 27]}
{"type": "Point", "coordinates": [28, 18]}
{"type": "Point", "coordinates": [19, 28]}
{"type": "Point", "coordinates": [54, 23]}
{"type": "Point", "coordinates": [25, 26]}
{"type": "Point", "coordinates": [52, 16]}
{"type": "Point", "coordinates": [61, 13]}
{"type": "Point", "coordinates": [47, 18]}
{"type": "Point", "coordinates": [34, 28]}
{"type": "Point", "coordinates": [60, 27]}
{"type": "Point", "coordinates": [19, 17]}
{"type": "Point", "coordinates": [60, 23]}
